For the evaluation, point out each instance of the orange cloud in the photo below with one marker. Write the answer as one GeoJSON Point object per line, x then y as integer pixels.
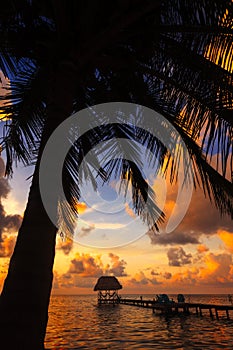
{"type": "Point", "coordinates": [85, 269]}
{"type": "Point", "coordinates": [81, 207]}
{"type": "Point", "coordinates": [212, 265]}
{"type": "Point", "coordinates": [86, 265]}
{"type": "Point", "coordinates": [227, 238]}
{"type": "Point", "coordinates": [201, 219]}
{"type": "Point", "coordinates": [202, 248]}
{"type": "Point", "coordinates": [69, 283]}
{"type": "Point", "coordinates": [141, 280]}
{"type": "Point", "coordinates": [7, 246]}
{"type": "Point", "coordinates": [216, 271]}
{"type": "Point", "coordinates": [184, 276]}
{"type": "Point", "coordinates": [118, 266]}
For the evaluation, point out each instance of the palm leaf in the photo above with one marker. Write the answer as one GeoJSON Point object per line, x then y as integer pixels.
{"type": "Point", "coordinates": [26, 112]}
{"type": "Point", "coordinates": [109, 159]}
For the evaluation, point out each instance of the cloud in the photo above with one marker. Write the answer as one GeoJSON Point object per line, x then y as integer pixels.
{"type": "Point", "coordinates": [109, 225]}
{"type": "Point", "coordinates": [178, 257]}
{"type": "Point", "coordinates": [8, 223]}
{"type": "Point", "coordinates": [4, 185]}
{"type": "Point", "coordinates": [154, 281]}
{"type": "Point", "coordinates": [153, 273]}
{"type": "Point", "coordinates": [84, 231]}
{"type": "Point", "coordinates": [140, 279]}
{"type": "Point", "coordinates": [66, 246]}
{"type": "Point", "coordinates": [80, 282]}
{"type": "Point", "coordinates": [202, 218]}
{"type": "Point", "coordinates": [118, 266]}
{"type": "Point", "coordinates": [216, 271]}
{"type": "Point", "coordinates": [187, 277]}
{"type": "Point", "coordinates": [77, 267]}
{"type": "Point", "coordinates": [85, 268]}
{"type": "Point", "coordinates": [55, 280]}
{"type": "Point", "coordinates": [86, 265]}
{"type": "Point", "coordinates": [227, 238]}
{"type": "Point", "coordinates": [173, 238]}
{"type": "Point", "coordinates": [167, 275]}
{"type": "Point", "coordinates": [69, 281]}
{"type": "Point", "coordinates": [81, 207]}
{"type": "Point", "coordinates": [202, 248]}
{"type": "Point", "coordinates": [7, 246]}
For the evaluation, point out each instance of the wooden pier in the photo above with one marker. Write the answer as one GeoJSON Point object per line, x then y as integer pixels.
{"type": "Point", "coordinates": [175, 307]}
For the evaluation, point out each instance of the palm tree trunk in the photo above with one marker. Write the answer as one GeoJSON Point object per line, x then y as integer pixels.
{"type": "Point", "coordinates": [25, 297]}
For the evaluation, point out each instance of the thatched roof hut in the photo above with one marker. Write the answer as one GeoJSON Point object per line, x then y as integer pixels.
{"type": "Point", "coordinates": [107, 283]}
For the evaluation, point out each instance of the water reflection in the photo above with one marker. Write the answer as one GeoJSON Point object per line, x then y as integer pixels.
{"type": "Point", "coordinates": [76, 322]}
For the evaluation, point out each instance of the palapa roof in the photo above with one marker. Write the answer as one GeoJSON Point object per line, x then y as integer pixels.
{"type": "Point", "coordinates": [107, 283]}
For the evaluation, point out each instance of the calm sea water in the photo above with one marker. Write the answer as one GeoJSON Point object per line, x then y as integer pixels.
{"type": "Point", "coordinates": [75, 322]}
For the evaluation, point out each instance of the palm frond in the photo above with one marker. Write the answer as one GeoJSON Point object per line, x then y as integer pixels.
{"type": "Point", "coordinates": [110, 158]}
{"type": "Point", "coordinates": [214, 185]}
{"type": "Point", "coordinates": [143, 196]}
{"type": "Point", "coordinates": [25, 107]}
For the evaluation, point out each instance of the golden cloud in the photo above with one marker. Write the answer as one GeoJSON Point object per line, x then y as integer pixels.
{"type": "Point", "coordinates": [216, 270]}
{"type": "Point", "coordinates": [7, 246]}
{"type": "Point", "coordinates": [227, 238]}
{"type": "Point", "coordinates": [86, 265]}
{"type": "Point", "coordinates": [81, 207]}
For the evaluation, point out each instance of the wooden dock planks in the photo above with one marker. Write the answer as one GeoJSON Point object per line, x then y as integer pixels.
{"type": "Point", "coordinates": [175, 307]}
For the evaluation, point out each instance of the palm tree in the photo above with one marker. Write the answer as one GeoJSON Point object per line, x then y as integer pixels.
{"type": "Point", "coordinates": [62, 56]}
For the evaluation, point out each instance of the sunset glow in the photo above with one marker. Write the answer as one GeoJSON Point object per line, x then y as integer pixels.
{"type": "Point", "coordinates": [197, 256]}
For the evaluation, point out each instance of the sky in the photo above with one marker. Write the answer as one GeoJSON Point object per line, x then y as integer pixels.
{"type": "Point", "coordinates": [196, 257]}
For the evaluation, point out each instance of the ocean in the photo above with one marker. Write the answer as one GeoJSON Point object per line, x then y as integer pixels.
{"type": "Point", "coordinates": [76, 322]}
